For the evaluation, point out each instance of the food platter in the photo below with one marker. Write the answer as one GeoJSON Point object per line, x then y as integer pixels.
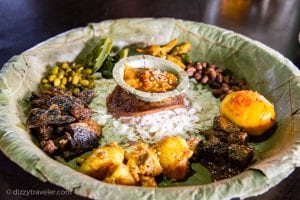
{"type": "Point", "coordinates": [264, 69]}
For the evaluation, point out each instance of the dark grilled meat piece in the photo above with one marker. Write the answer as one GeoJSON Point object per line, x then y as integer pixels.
{"type": "Point", "coordinates": [79, 137]}
{"type": "Point", "coordinates": [224, 152]}
{"type": "Point", "coordinates": [79, 111]}
{"type": "Point", "coordinates": [228, 132]}
{"type": "Point", "coordinates": [42, 117]}
{"type": "Point", "coordinates": [240, 138]}
{"type": "Point", "coordinates": [64, 102]}
{"type": "Point", "coordinates": [86, 96]}
{"type": "Point", "coordinates": [65, 142]}
{"type": "Point", "coordinates": [212, 150]}
{"type": "Point", "coordinates": [211, 134]}
{"type": "Point", "coordinates": [85, 134]}
{"type": "Point", "coordinates": [223, 124]}
{"type": "Point", "coordinates": [240, 155]}
{"type": "Point", "coordinates": [54, 91]}
{"type": "Point", "coordinates": [49, 147]}
{"type": "Point", "coordinates": [62, 122]}
{"type": "Point", "coordinates": [69, 154]}
{"type": "Point", "coordinates": [222, 171]}
{"type": "Point", "coordinates": [43, 132]}
{"type": "Point", "coordinates": [92, 125]}
{"type": "Point", "coordinates": [40, 101]}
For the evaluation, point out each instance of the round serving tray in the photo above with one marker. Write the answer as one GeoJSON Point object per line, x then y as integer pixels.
{"type": "Point", "coordinates": [264, 69]}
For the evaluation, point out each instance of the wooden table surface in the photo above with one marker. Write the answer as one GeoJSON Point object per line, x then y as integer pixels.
{"type": "Point", "coordinates": [24, 23]}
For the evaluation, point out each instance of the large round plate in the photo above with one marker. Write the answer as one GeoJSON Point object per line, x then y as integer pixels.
{"type": "Point", "coordinates": [263, 68]}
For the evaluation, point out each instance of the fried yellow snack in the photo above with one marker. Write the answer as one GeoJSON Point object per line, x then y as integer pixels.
{"type": "Point", "coordinates": [177, 60]}
{"type": "Point", "coordinates": [142, 160]}
{"type": "Point", "coordinates": [121, 175]}
{"type": "Point", "coordinates": [170, 51]}
{"type": "Point", "coordinates": [102, 161]}
{"type": "Point", "coordinates": [249, 110]}
{"type": "Point", "coordinates": [148, 181]}
{"type": "Point", "coordinates": [165, 49]}
{"type": "Point", "coordinates": [174, 153]}
{"type": "Point", "coordinates": [182, 48]}
{"type": "Point", "coordinates": [157, 50]}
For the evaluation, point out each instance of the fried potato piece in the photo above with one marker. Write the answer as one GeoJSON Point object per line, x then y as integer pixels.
{"type": "Point", "coordinates": [174, 153]}
{"type": "Point", "coordinates": [148, 181]}
{"type": "Point", "coordinates": [121, 175]}
{"type": "Point", "coordinates": [103, 160]}
{"type": "Point", "coordinates": [249, 110]}
{"type": "Point", "coordinates": [142, 160]}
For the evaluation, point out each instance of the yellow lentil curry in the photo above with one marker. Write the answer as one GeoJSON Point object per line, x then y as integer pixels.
{"type": "Point", "coordinates": [150, 79]}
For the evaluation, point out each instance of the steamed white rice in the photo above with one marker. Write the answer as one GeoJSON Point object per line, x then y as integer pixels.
{"type": "Point", "coordinates": [200, 109]}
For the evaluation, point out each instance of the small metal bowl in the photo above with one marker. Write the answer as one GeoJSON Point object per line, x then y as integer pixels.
{"type": "Point", "coordinates": [146, 61]}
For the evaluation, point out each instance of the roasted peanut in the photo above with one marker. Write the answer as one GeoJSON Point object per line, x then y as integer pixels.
{"type": "Point", "coordinates": [197, 76]}
{"type": "Point", "coordinates": [219, 78]}
{"type": "Point", "coordinates": [212, 66]}
{"type": "Point", "coordinates": [212, 73]}
{"type": "Point", "coordinates": [240, 82]}
{"type": "Point", "coordinates": [224, 88]}
{"type": "Point", "coordinates": [199, 66]}
{"type": "Point", "coordinates": [191, 70]}
{"type": "Point", "coordinates": [226, 78]}
{"type": "Point", "coordinates": [216, 92]}
{"type": "Point", "coordinates": [244, 87]}
{"type": "Point", "coordinates": [235, 88]}
{"type": "Point", "coordinates": [219, 71]}
{"type": "Point", "coordinates": [233, 82]}
{"type": "Point", "coordinates": [213, 84]}
{"type": "Point", "coordinates": [222, 96]}
{"type": "Point", "coordinates": [204, 64]}
{"type": "Point", "coordinates": [222, 82]}
{"type": "Point", "coordinates": [205, 79]}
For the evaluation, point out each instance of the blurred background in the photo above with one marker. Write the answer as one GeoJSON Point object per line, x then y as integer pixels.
{"type": "Point", "coordinates": [25, 23]}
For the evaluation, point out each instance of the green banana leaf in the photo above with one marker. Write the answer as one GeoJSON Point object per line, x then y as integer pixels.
{"type": "Point", "coordinates": [264, 69]}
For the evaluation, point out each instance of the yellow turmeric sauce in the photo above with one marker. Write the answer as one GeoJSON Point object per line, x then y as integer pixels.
{"type": "Point", "coordinates": [150, 80]}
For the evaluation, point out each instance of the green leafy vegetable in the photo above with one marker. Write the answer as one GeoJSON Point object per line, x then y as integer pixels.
{"type": "Point", "coordinates": [100, 53]}
{"type": "Point", "coordinates": [186, 58]}
{"type": "Point", "coordinates": [94, 53]}
{"type": "Point", "coordinates": [108, 65]}
{"type": "Point", "coordinates": [110, 61]}
{"type": "Point", "coordinates": [123, 53]}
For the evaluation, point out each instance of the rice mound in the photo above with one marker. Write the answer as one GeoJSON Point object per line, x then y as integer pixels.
{"type": "Point", "coordinates": [200, 108]}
